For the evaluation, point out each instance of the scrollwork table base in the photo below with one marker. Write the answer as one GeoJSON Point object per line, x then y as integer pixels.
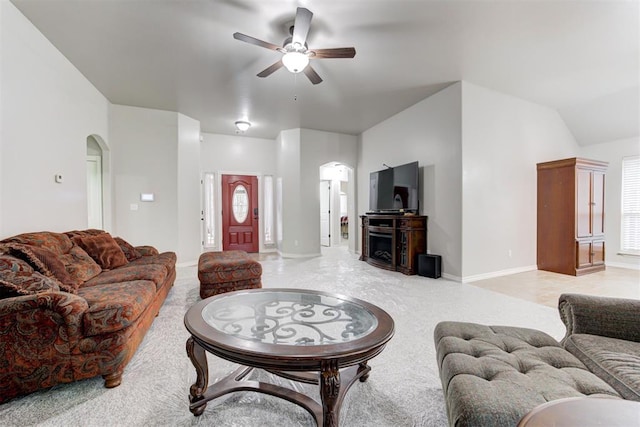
{"type": "Point", "coordinates": [307, 336]}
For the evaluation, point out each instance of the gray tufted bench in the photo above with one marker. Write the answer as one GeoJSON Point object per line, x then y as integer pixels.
{"type": "Point", "coordinates": [494, 375]}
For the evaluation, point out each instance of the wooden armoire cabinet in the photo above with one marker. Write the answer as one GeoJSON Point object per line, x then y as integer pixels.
{"type": "Point", "coordinates": [571, 216]}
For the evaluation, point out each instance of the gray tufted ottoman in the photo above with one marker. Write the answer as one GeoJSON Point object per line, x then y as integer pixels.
{"type": "Point", "coordinates": [494, 375]}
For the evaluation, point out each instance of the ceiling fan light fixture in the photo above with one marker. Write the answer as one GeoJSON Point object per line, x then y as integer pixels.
{"type": "Point", "coordinates": [242, 126]}
{"type": "Point", "coordinates": [295, 51]}
{"type": "Point", "coordinates": [295, 62]}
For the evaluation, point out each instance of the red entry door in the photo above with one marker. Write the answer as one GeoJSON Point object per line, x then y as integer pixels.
{"type": "Point", "coordinates": [240, 213]}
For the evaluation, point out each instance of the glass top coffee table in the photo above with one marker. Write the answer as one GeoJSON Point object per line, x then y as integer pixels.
{"type": "Point", "coordinates": [310, 336]}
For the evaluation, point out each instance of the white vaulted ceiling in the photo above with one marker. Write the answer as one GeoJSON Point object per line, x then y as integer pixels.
{"type": "Point", "coordinates": [579, 57]}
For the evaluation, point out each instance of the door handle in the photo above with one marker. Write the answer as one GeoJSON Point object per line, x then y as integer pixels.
{"type": "Point", "coordinates": [255, 213]}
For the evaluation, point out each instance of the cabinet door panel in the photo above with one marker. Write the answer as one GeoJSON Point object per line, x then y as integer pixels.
{"type": "Point", "coordinates": [597, 253]}
{"type": "Point", "coordinates": [403, 244]}
{"type": "Point", "coordinates": [583, 203]}
{"type": "Point", "coordinates": [583, 254]}
{"type": "Point", "coordinates": [597, 204]}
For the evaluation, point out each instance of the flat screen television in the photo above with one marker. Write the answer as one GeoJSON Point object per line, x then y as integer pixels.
{"type": "Point", "coordinates": [394, 189]}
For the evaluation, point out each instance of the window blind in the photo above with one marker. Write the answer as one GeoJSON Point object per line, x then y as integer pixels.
{"type": "Point", "coordinates": [631, 205]}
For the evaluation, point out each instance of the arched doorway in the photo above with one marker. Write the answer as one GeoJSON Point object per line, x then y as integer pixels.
{"type": "Point", "coordinates": [337, 213]}
{"type": "Point", "coordinates": [97, 162]}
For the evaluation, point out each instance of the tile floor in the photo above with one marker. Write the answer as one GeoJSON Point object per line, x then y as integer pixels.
{"type": "Point", "coordinates": [544, 287]}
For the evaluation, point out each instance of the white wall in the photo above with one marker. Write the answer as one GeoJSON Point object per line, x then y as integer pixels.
{"type": "Point", "coordinates": [503, 139]}
{"type": "Point", "coordinates": [189, 236]}
{"type": "Point", "coordinates": [290, 209]}
{"type": "Point", "coordinates": [47, 111]}
{"type": "Point", "coordinates": [613, 152]}
{"type": "Point", "coordinates": [316, 149]}
{"type": "Point", "coordinates": [429, 132]}
{"type": "Point", "coordinates": [238, 154]}
{"type": "Point", "coordinates": [300, 153]}
{"type": "Point", "coordinates": [144, 145]}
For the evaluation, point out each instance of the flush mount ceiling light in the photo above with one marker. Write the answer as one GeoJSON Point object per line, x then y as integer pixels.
{"type": "Point", "coordinates": [242, 126]}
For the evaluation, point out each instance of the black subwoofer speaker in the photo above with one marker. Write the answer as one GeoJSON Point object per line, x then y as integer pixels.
{"type": "Point", "coordinates": [430, 265]}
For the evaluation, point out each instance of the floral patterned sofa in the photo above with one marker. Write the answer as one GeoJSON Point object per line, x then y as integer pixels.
{"type": "Point", "coordinates": [75, 305]}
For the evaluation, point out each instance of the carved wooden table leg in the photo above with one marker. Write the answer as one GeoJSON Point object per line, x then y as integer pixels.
{"type": "Point", "coordinates": [198, 357]}
{"type": "Point", "coordinates": [330, 392]}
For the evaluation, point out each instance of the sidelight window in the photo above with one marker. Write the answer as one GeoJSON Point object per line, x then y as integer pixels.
{"type": "Point", "coordinates": [208, 212]}
{"type": "Point", "coordinates": [268, 210]}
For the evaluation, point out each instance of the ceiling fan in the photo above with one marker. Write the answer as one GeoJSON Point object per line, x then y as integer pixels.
{"type": "Point", "coordinates": [296, 53]}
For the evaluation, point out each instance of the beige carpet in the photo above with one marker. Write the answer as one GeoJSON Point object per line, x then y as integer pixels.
{"type": "Point", "coordinates": [403, 388]}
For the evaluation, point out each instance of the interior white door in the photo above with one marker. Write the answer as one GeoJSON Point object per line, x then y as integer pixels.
{"type": "Point", "coordinates": [325, 213]}
{"type": "Point", "coordinates": [94, 192]}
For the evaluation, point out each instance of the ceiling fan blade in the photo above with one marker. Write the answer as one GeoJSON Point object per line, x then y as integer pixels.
{"type": "Point", "coordinates": [255, 41]}
{"type": "Point", "coordinates": [339, 52]}
{"type": "Point", "coordinates": [271, 69]}
{"type": "Point", "coordinates": [301, 26]}
{"type": "Point", "coordinates": [312, 75]}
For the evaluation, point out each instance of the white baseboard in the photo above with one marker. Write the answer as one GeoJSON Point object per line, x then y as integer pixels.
{"type": "Point", "coordinates": [288, 255]}
{"type": "Point", "coordinates": [187, 263]}
{"type": "Point", "coordinates": [623, 265]}
{"type": "Point", "coordinates": [475, 278]}
{"type": "Point", "coordinates": [452, 277]}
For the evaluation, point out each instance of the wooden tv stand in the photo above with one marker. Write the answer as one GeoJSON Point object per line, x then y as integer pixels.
{"type": "Point", "coordinates": [393, 242]}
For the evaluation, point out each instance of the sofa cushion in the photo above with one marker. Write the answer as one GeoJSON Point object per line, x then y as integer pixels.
{"type": "Point", "coordinates": [156, 273]}
{"type": "Point", "coordinates": [57, 243]}
{"type": "Point", "coordinates": [168, 259]}
{"type": "Point", "coordinates": [494, 375]}
{"type": "Point", "coordinates": [17, 277]}
{"type": "Point", "coordinates": [80, 266]}
{"type": "Point", "coordinates": [146, 250]}
{"type": "Point", "coordinates": [103, 249]}
{"type": "Point", "coordinates": [87, 232]}
{"type": "Point", "coordinates": [34, 284]}
{"type": "Point", "coordinates": [44, 261]}
{"type": "Point", "coordinates": [129, 250]}
{"type": "Point", "coordinates": [615, 361]}
{"type": "Point", "coordinates": [115, 306]}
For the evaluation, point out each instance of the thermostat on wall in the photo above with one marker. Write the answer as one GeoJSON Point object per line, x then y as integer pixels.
{"type": "Point", "coordinates": [147, 197]}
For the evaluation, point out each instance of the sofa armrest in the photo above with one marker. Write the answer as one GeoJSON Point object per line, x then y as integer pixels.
{"type": "Point", "coordinates": [39, 336]}
{"type": "Point", "coordinates": [147, 250]}
{"type": "Point", "coordinates": [604, 316]}
{"type": "Point", "coordinates": [60, 310]}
